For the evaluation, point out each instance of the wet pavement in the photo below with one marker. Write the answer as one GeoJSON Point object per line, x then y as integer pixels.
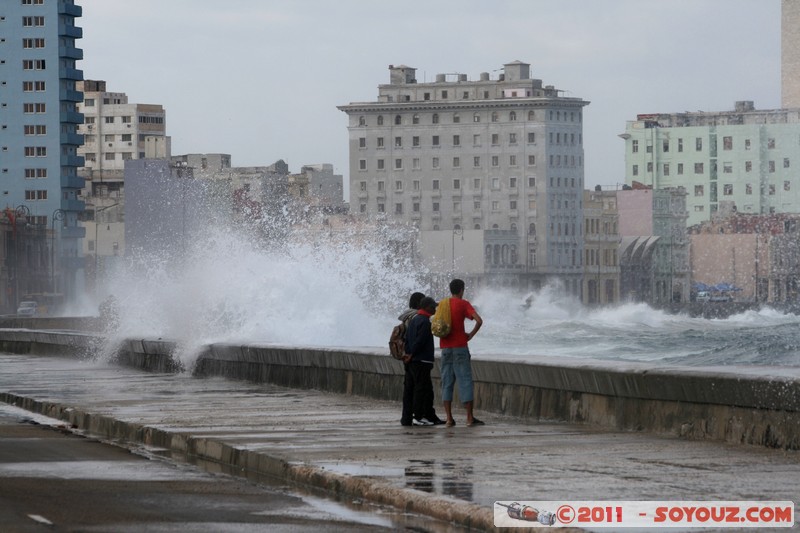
{"type": "Point", "coordinates": [362, 438]}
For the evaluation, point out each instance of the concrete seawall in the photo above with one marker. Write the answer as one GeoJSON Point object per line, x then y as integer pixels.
{"type": "Point", "coordinates": [756, 406]}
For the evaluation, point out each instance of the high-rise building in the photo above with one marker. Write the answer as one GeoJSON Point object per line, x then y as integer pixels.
{"type": "Point", "coordinates": [497, 162]}
{"type": "Point", "coordinates": [601, 247]}
{"type": "Point", "coordinates": [746, 158]}
{"type": "Point", "coordinates": [790, 53]}
{"type": "Point", "coordinates": [38, 133]}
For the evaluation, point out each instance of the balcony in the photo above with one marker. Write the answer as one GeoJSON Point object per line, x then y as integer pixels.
{"type": "Point", "coordinates": [68, 95]}
{"type": "Point", "coordinates": [72, 138]}
{"type": "Point", "coordinates": [73, 205]}
{"type": "Point", "coordinates": [70, 52]}
{"type": "Point", "coordinates": [72, 161]}
{"type": "Point", "coordinates": [72, 182]}
{"type": "Point", "coordinates": [73, 232]}
{"type": "Point", "coordinates": [69, 9]}
{"type": "Point", "coordinates": [66, 73]}
{"type": "Point", "coordinates": [68, 30]}
{"type": "Point", "coordinates": [71, 117]}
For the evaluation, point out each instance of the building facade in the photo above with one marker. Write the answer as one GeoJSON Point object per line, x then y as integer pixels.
{"type": "Point", "coordinates": [114, 131]}
{"type": "Point", "coordinates": [790, 53]}
{"type": "Point", "coordinates": [654, 251]}
{"type": "Point", "coordinates": [601, 248]}
{"type": "Point", "coordinates": [39, 135]}
{"type": "Point", "coordinates": [745, 157]}
{"type": "Point", "coordinates": [501, 157]}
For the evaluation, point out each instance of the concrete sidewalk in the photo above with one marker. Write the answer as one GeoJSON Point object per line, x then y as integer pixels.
{"type": "Point", "coordinates": [356, 447]}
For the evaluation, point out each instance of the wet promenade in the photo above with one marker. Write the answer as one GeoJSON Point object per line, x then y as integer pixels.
{"type": "Point", "coordinates": [355, 447]}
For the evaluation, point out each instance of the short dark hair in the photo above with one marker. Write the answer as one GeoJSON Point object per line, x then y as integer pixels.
{"type": "Point", "coordinates": [416, 300]}
{"type": "Point", "coordinates": [427, 302]}
{"type": "Point", "coordinates": [456, 286]}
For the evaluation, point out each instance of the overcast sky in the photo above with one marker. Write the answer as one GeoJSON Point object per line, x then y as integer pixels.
{"type": "Point", "coordinates": [261, 79]}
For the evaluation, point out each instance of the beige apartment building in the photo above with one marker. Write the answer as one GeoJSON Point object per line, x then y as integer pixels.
{"type": "Point", "coordinates": [490, 171]}
{"type": "Point", "coordinates": [114, 131]}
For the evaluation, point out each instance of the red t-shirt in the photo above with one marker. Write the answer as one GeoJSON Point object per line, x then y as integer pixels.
{"type": "Point", "coordinates": [460, 310]}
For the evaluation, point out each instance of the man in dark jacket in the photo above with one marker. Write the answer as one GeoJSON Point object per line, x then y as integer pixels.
{"type": "Point", "coordinates": [420, 346]}
{"type": "Point", "coordinates": [408, 380]}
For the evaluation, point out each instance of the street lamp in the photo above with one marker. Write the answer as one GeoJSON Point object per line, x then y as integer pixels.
{"type": "Point", "coordinates": [58, 215]}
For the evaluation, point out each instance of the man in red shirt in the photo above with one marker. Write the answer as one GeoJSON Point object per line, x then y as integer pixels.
{"type": "Point", "coordinates": [455, 360]}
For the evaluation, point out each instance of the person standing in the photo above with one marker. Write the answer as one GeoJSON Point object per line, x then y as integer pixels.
{"type": "Point", "coordinates": [406, 418]}
{"type": "Point", "coordinates": [455, 360]}
{"type": "Point", "coordinates": [420, 346]}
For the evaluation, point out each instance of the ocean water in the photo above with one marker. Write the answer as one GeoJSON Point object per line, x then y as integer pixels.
{"type": "Point", "coordinates": [347, 291]}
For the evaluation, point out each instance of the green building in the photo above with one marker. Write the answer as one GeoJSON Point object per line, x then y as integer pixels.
{"type": "Point", "coordinates": [743, 160]}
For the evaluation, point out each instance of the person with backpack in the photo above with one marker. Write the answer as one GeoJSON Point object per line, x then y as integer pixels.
{"type": "Point", "coordinates": [397, 346]}
{"type": "Point", "coordinates": [420, 346]}
{"type": "Point", "coordinates": [455, 361]}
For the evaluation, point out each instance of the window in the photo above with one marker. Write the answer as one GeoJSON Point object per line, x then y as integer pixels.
{"type": "Point", "coordinates": [435, 140]}
{"type": "Point", "coordinates": [512, 138]}
{"type": "Point", "coordinates": [398, 120]}
{"type": "Point", "coordinates": [109, 120]}
{"type": "Point", "coordinates": [435, 118]}
{"type": "Point", "coordinates": [381, 208]}
{"type": "Point", "coordinates": [698, 144]}
{"type": "Point", "coordinates": [398, 142]}
{"type": "Point", "coordinates": [785, 162]}
{"type": "Point", "coordinates": [126, 119]}
{"type": "Point", "coordinates": [494, 116]}
{"type": "Point", "coordinates": [727, 189]}
{"type": "Point", "coordinates": [476, 205]}
{"type": "Point", "coordinates": [126, 137]}
{"type": "Point", "coordinates": [649, 166]}
{"type": "Point", "coordinates": [531, 136]}
{"type": "Point", "coordinates": [415, 118]}
{"type": "Point", "coordinates": [748, 166]}
{"type": "Point", "coordinates": [435, 162]}
{"type": "Point", "coordinates": [476, 139]}
{"type": "Point", "coordinates": [747, 144]}
{"type": "Point", "coordinates": [495, 161]}
{"type": "Point", "coordinates": [772, 189]}
{"type": "Point", "coordinates": [512, 204]}
{"type": "Point", "coordinates": [444, 94]}
{"type": "Point", "coordinates": [380, 120]}
{"type": "Point", "coordinates": [496, 184]}
{"type": "Point", "coordinates": [363, 186]}
{"type": "Point", "coordinates": [771, 144]}
{"type": "Point", "coordinates": [415, 140]}
{"type": "Point", "coordinates": [398, 164]}
{"type": "Point", "coordinates": [495, 206]}
{"type": "Point", "coordinates": [649, 149]}
{"type": "Point", "coordinates": [531, 115]}
{"type": "Point", "coordinates": [476, 161]}
{"type": "Point", "coordinates": [495, 139]}
{"type": "Point", "coordinates": [727, 143]}
{"type": "Point", "coordinates": [512, 160]}
{"type": "Point", "coordinates": [416, 207]}
{"type": "Point", "coordinates": [415, 163]}
{"type": "Point", "coordinates": [748, 188]}
{"type": "Point", "coordinates": [456, 118]}
{"type": "Point", "coordinates": [381, 164]}
{"type": "Point", "coordinates": [476, 184]}
{"type": "Point", "coordinates": [398, 185]}
{"type": "Point", "coordinates": [476, 117]}
{"type": "Point", "coordinates": [457, 184]}
{"type": "Point", "coordinates": [698, 168]}
{"type": "Point", "coordinates": [787, 186]}
{"type": "Point", "coordinates": [362, 121]}
{"type": "Point", "coordinates": [381, 186]}
{"type": "Point", "coordinates": [436, 207]}
{"type": "Point", "coordinates": [456, 140]}
{"type": "Point", "coordinates": [680, 169]}
{"type": "Point", "coordinates": [456, 162]}
{"type": "Point", "coordinates": [33, 21]}
{"type": "Point", "coordinates": [512, 116]}
{"type": "Point", "coordinates": [531, 182]}
{"type": "Point", "coordinates": [363, 208]}
{"type": "Point", "coordinates": [699, 190]}
{"type": "Point", "coordinates": [380, 142]}
{"type": "Point", "coordinates": [699, 208]}
{"type": "Point", "coordinates": [512, 183]}
{"type": "Point", "coordinates": [666, 169]}
{"type": "Point", "coordinates": [362, 164]}
{"type": "Point", "coordinates": [635, 146]}
{"type": "Point", "coordinates": [416, 185]}
{"type": "Point", "coordinates": [635, 170]}
{"type": "Point", "coordinates": [771, 166]}
{"type": "Point", "coordinates": [435, 185]}
{"type": "Point", "coordinates": [680, 145]}
{"type": "Point", "coordinates": [362, 142]}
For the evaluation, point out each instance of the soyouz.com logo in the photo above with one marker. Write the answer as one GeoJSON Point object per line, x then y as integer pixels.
{"type": "Point", "coordinates": [652, 514]}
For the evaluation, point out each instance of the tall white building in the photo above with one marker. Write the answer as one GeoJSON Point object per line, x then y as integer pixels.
{"type": "Point", "coordinates": [489, 170]}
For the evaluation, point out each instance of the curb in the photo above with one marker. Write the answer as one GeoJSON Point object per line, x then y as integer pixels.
{"type": "Point", "coordinates": [464, 514]}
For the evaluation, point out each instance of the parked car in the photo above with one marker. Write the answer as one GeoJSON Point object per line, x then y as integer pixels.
{"type": "Point", "coordinates": [29, 308]}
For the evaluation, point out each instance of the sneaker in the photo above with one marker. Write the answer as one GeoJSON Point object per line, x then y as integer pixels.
{"type": "Point", "coordinates": [437, 421]}
{"type": "Point", "coordinates": [476, 422]}
{"type": "Point", "coordinates": [422, 422]}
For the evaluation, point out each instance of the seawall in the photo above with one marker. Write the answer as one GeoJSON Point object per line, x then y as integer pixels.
{"type": "Point", "coordinates": [755, 406]}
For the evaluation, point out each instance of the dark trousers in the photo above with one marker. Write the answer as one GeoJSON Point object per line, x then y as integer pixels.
{"type": "Point", "coordinates": [408, 396]}
{"type": "Point", "coordinates": [423, 390]}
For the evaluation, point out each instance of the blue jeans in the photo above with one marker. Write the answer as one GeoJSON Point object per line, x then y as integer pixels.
{"type": "Point", "coordinates": [455, 366]}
